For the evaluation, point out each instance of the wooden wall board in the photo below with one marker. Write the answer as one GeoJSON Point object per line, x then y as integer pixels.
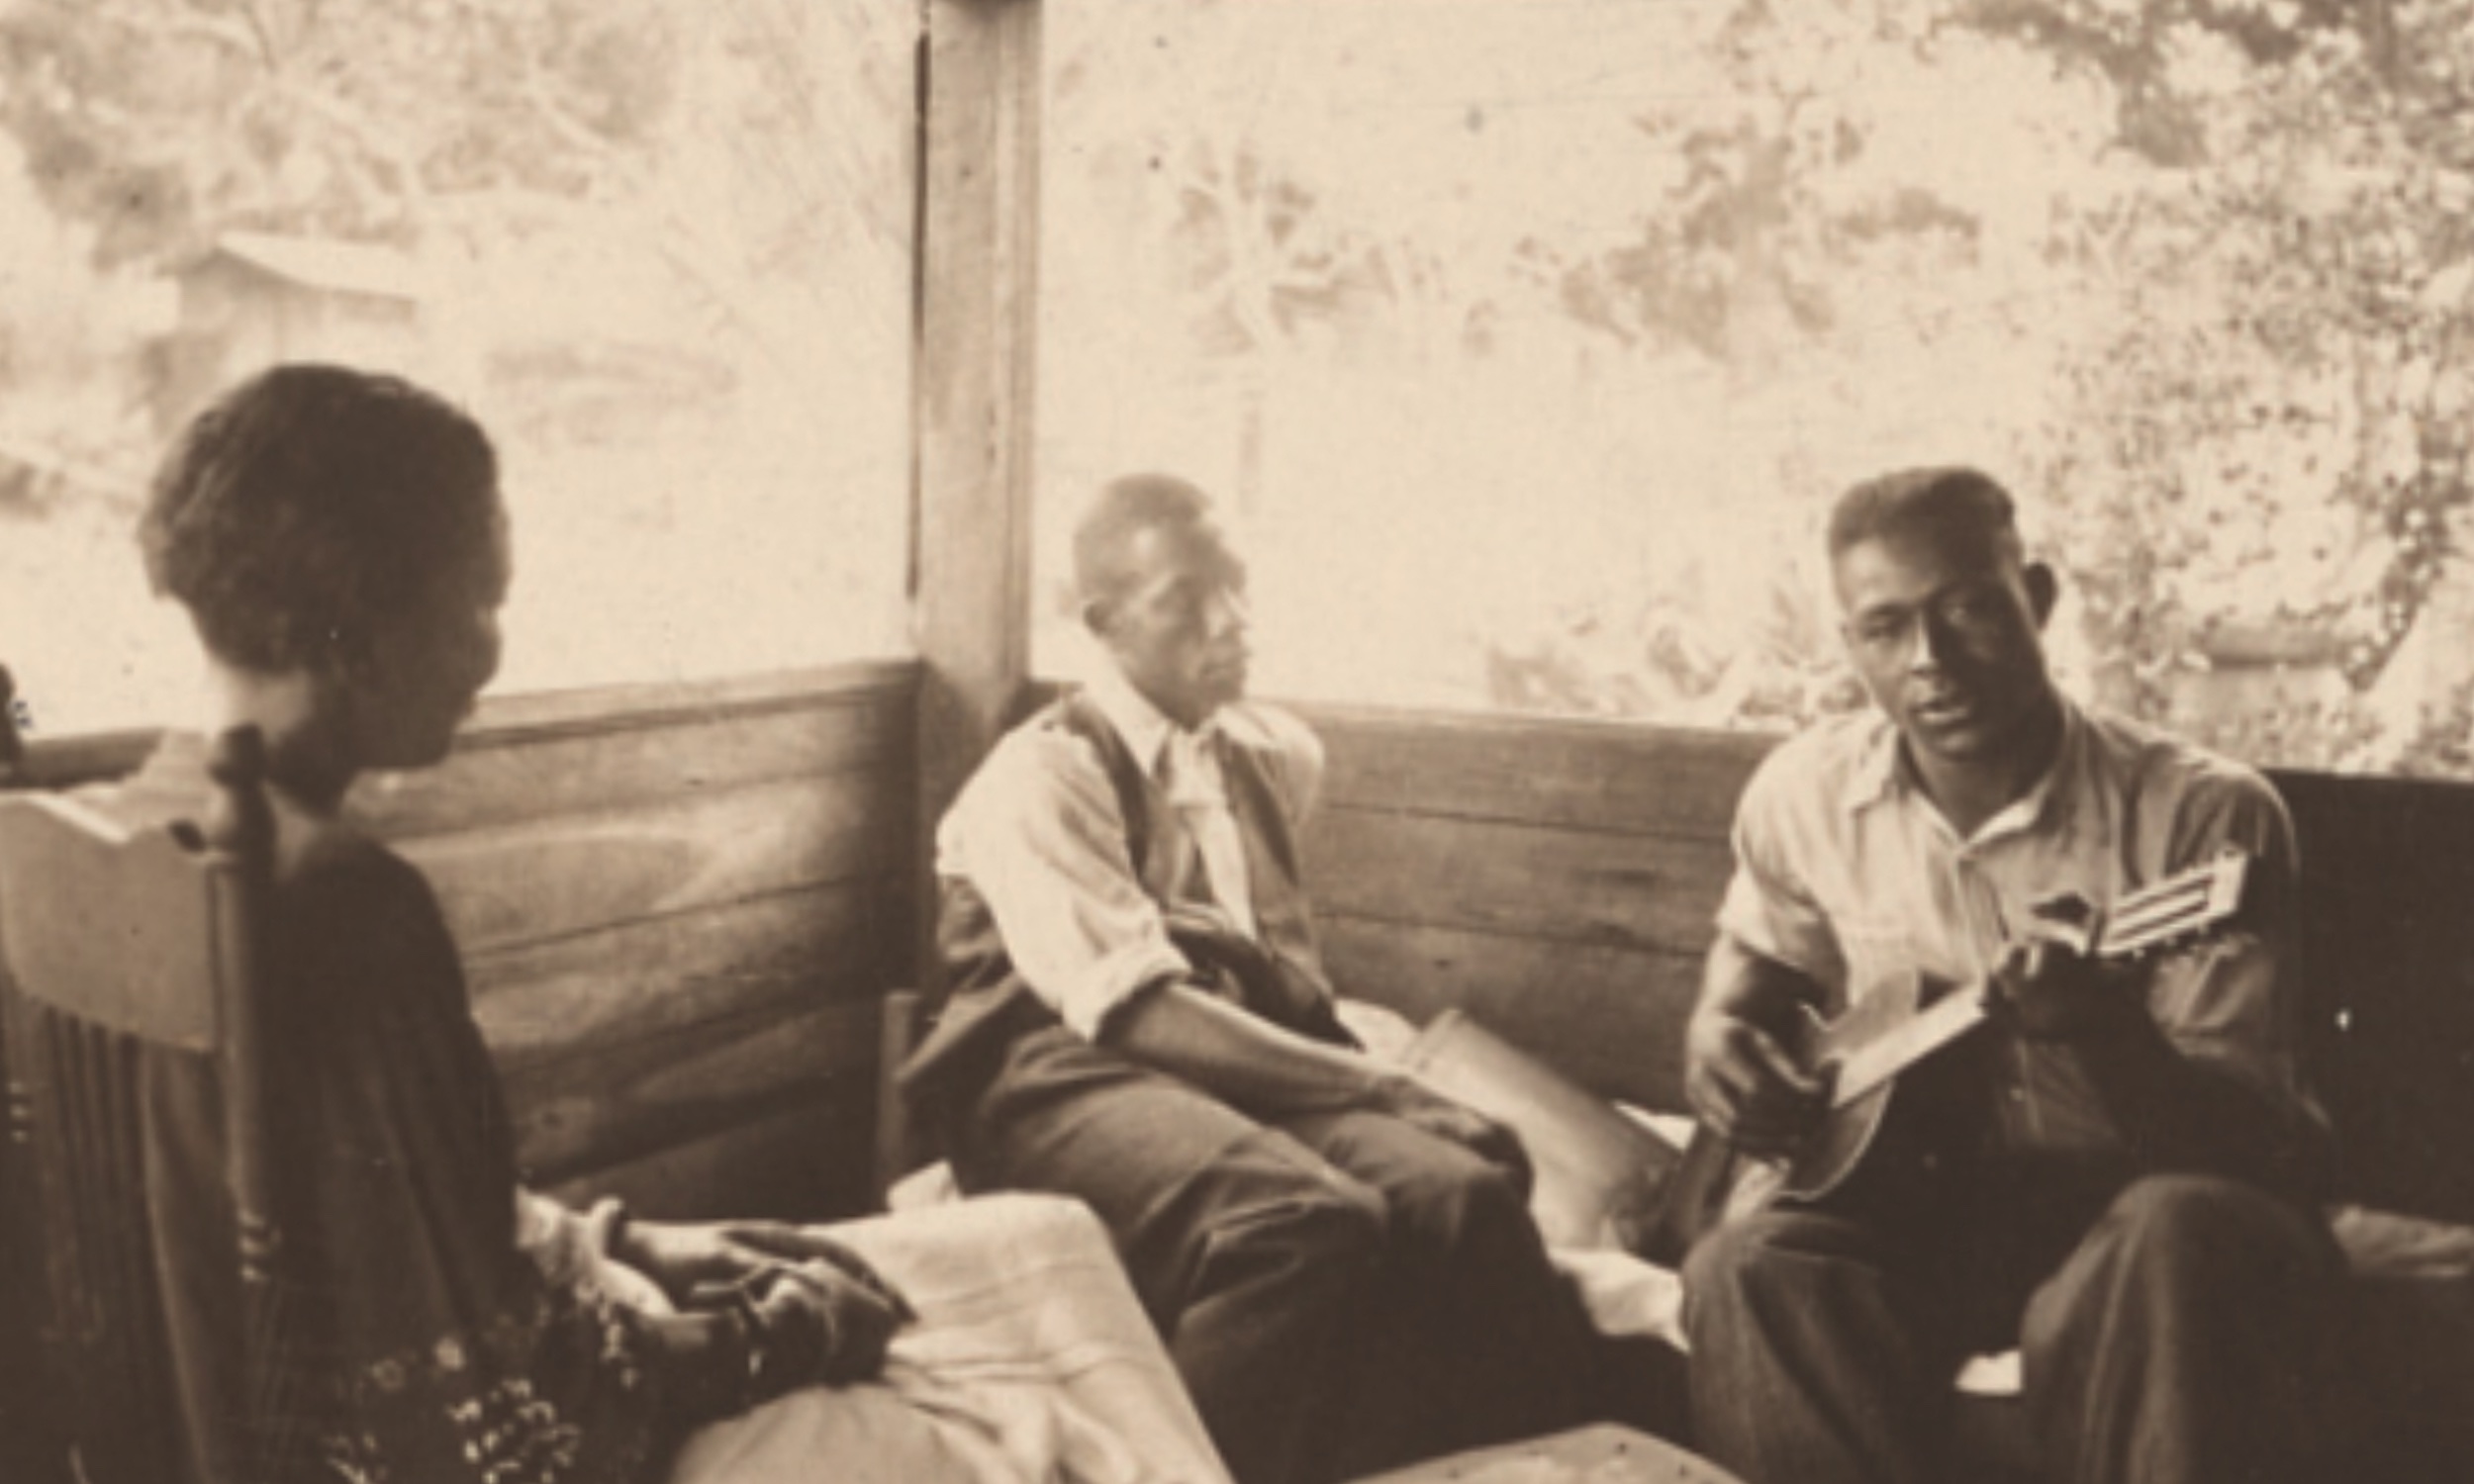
{"type": "Point", "coordinates": [599, 711]}
{"type": "Point", "coordinates": [647, 979]}
{"type": "Point", "coordinates": [1546, 881]}
{"type": "Point", "coordinates": [504, 778]}
{"type": "Point", "coordinates": [65, 762]}
{"type": "Point", "coordinates": [566, 875]}
{"type": "Point", "coordinates": [806, 1162]}
{"type": "Point", "coordinates": [1586, 774]}
{"type": "Point", "coordinates": [1557, 879]}
{"type": "Point", "coordinates": [577, 1113]}
{"type": "Point", "coordinates": [676, 914]}
{"type": "Point", "coordinates": [1609, 1017]}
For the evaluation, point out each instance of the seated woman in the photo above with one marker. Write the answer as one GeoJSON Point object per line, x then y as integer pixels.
{"type": "Point", "coordinates": [339, 541]}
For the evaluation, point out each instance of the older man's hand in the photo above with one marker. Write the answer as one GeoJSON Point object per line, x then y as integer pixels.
{"type": "Point", "coordinates": [1422, 1107]}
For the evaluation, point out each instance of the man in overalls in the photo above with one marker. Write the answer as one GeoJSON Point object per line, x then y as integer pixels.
{"type": "Point", "coordinates": [1341, 1259]}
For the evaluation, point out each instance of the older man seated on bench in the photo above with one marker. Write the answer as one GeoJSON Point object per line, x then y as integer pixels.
{"type": "Point", "coordinates": [1340, 1258]}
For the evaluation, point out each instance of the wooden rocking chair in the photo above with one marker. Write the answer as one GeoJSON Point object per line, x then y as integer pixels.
{"type": "Point", "coordinates": [132, 999]}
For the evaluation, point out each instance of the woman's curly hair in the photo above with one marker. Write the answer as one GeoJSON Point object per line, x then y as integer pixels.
{"type": "Point", "coordinates": [313, 503]}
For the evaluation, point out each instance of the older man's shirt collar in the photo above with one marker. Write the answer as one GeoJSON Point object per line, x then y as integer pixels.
{"type": "Point", "coordinates": [1145, 727]}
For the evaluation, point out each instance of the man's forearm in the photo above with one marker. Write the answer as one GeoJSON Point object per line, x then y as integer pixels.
{"type": "Point", "coordinates": [1740, 984]}
{"type": "Point", "coordinates": [1240, 1058]}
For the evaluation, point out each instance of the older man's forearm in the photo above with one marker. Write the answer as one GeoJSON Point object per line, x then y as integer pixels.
{"type": "Point", "coordinates": [1242, 1058]}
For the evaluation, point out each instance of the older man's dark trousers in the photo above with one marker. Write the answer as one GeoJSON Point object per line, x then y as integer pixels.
{"type": "Point", "coordinates": [2167, 1342]}
{"type": "Point", "coordinates": [1340, 1292]}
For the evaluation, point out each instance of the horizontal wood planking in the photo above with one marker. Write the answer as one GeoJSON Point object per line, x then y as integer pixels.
{"type": "Point", "coordinates": [681, 967]}
{"type": "Point", "coordinates": [1609, 1017]}
{"type": "Point", "coordinates": [563, 875]}
{"type": "Point", "coordinates": [1584, 774]}
{"type": "Point", "coordinates": [673, 901]}
{"type": "Point", "coordinates": [506, 776]}
{"type": "Point", "coordinates": [65, 762]}
{"type": "Point", "coordinates": [1538, 881]}
{"type": "Point", "coordinates": [651, 978]}
{"type": "Point", "coordinates": [806, 1162]}
{"type": "Point", "coordinates": [577, 1113]}
{"type": "Point", "coordinates": [1557, 880]}
{"type": "Point", "coordinates": [675, 920]}
{"type": "Point", "coordinates": [596, 711]}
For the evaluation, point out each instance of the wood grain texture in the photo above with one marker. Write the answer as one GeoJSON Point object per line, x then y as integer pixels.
{"type": "Point", "coordinates": [596, 711]}
{"type": "Point", "coordinates": [1586, 774]}
{"type": "Point", "coordinates": [65, 762]}
{"type": "Point", "coordinates": [805, 1163]}
{"type": "Point", "coordinates": [579, 1112]}
{"type": "Point", "coordinates": [574, 874]}
{"type": "Point", "coordinates": [505, 777]}
{"type": "Point", "coordinates": [1549, 882]}
{"type": "Point", "coordinates": [674, 918]}
{"type": "Point", "coordinates": [566, 996]}
{"type": "Point", "coordinates": [1611, 1018]}
{"type": "Point", "coordinates": [979, 272]}
{"type": "Point", "coordinates": [1556, 880]}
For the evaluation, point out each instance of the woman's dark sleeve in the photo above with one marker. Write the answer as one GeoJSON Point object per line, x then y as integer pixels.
{"type": "Point", "coordinates": [452, 1354]}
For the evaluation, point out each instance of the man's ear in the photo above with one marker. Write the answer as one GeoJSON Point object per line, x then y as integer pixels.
{"type": "Point", "coordinates": [2043, 590]}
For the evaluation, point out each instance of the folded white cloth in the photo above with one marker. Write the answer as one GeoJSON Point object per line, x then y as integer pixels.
{"type": "Point", "coordinates": [1031, 1362]}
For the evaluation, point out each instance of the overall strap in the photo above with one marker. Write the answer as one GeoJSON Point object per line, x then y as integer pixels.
{"type": "Point", "coordinates": [1079, 714]}
{"type": "Point", "coordinates": [1283, 918]}
{"type": "Point", "coordinates": [982, 1004]}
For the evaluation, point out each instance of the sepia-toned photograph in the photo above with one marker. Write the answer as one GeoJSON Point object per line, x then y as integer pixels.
{"type": "Point", "coordinates": [1237, 741]}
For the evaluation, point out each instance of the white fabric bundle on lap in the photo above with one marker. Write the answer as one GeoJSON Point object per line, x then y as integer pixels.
{"type": "Point", "coordinates": [1031, 1362]}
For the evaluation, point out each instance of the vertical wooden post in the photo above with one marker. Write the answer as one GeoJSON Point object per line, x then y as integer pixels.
{"type": "Point", "coordinates": [978, 264]}
{"type": "Point", "coordinates": [12, 745]}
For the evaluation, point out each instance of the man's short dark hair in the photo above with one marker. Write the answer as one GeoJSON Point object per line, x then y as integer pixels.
{"type": "Point", "coordinates": [312, 503]}
{"type": "Point", "coordinates": [1124, 508]}
{"type": "Point", "coordinates": [1941, 501]}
